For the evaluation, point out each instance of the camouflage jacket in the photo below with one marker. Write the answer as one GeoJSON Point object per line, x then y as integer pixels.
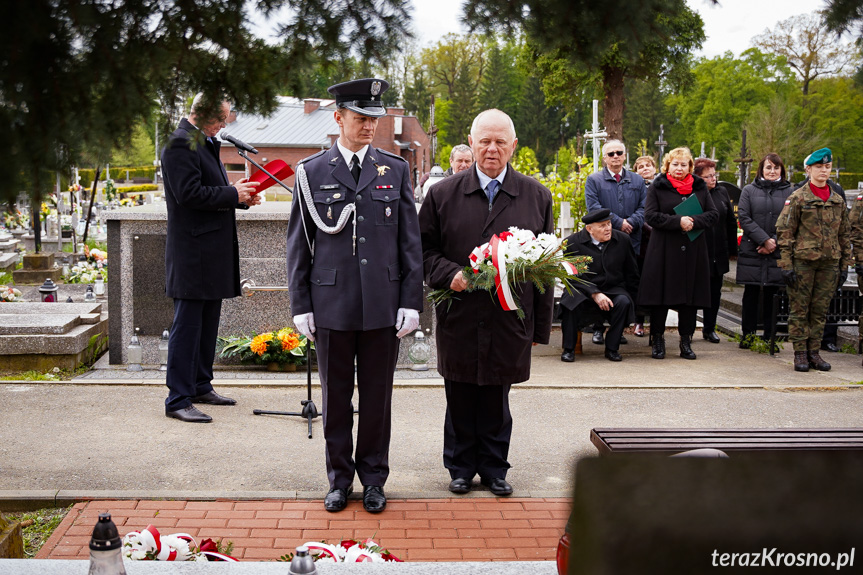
{"type": "Point", "coordinates": [856, 221]}
{"type": "Point", "coordinates": [811, 229]}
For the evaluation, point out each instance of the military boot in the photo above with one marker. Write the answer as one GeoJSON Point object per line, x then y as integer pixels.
{"type": "Point", "coordinates": [801, 362]}
{"type": "Point", "coordinates": [686, 347]}
{"type": "Point", "coordinates": [815, 361]}
{"type": "Point", "coordinates": [657, 342]}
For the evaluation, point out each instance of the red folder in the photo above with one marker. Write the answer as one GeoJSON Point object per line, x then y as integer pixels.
{"type": "Point", "coordinates": [278, 168]}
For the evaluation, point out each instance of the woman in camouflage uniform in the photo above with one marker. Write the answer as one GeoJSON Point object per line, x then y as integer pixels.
{"type": "Point", "coordinates": [814, 240]}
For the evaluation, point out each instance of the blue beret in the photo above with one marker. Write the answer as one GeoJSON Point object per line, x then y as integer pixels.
{"type": "Point", "coordinates": [596, 216]}
{"type": "Point", "coordinates": [822, 156]}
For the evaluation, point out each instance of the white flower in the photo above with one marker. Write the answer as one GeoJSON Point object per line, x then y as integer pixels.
{"type": "Point", "coordinates": [201, 558]}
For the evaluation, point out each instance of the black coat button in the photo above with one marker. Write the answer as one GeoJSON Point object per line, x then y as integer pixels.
{"type": "Point", "coordinates": [359, 196]}
{"type": "Point", "coordinates": [485, 234]}
{"type": "Point", "coordinates": [362, 240]}
{"type": "Point", "coordinates": [364, 261]}
{"type": "Point", "coordinates": [482, 324]}
{"type": "Point", "coordinates": [683, 248]}
{"type": "Point", "coordinates": [360, 218]}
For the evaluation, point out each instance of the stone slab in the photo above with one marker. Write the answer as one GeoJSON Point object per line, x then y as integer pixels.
{"type": "Point", "coordinates": [75, 340]}
{"type": "Point", "coordinates": [38, 261]}
{"type": "Point", "coordinates": [72, 567]}
{"type": "Point", "coordinates": [36, 277]}
{"type": "Point", "coordinates": [8, 261]}
{"type": "Point", "coordinates": [8, 245]}
{"type": "Point", "coordinates": [43, 308]}
{"type": "Point", "coordinates": [32, 324]}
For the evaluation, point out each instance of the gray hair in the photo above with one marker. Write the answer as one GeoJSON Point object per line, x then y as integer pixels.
{"type": "Point", "coordinates": [610, 142]}
{"type": "Point", "coordinates": [198, 103]}
{"type": "Point", "coordinates": [458, 149]}
{"type": "Point", "coordinates": [491, 111]}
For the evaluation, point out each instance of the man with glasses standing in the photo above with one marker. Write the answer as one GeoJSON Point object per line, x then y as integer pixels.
{"type": "Point", "coordinates": [621, 191]}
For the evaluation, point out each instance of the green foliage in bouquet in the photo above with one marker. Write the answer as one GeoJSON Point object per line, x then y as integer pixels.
{"type": "Point", "coordinates": [283, 346]}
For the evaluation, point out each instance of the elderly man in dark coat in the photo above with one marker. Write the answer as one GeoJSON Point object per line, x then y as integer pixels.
{"type": "Point", "coordinates": [202, 261]}
{"type": "Point", "coordinates": [610, 295]}
{"type": "Point", "coordinates": [355, 277]}
{"type": "Point", "coordinates": [482, 349]}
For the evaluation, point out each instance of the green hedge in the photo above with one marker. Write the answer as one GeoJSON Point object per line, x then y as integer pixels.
{"type": "Point", "coordinates": [136, 189]}
{"type": "Point", "coordinates": [87, 175]}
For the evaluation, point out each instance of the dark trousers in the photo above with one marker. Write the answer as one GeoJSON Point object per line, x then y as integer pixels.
{"type": "Point", "coordinates": [711, 312]}
{"type": "Point", "coordinates": [685, 319]}
{"type": "Point", "coordinates": [477, 430]}
{"type": "Point", "coordinates": [617, 318]}
{"type": "Point", "coordinates": [376, 352]}
{"type": "Point", "coordinates": [749, 312]}
{"type": "Point", "coordinates": [191, 351]}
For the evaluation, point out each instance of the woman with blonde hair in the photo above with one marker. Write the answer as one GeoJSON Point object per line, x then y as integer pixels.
{"type": "Point", "coordinates": [676, 266]}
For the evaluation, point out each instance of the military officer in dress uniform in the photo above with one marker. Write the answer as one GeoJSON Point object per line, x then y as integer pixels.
{"type": "Point", "coordinates": [355, 278]}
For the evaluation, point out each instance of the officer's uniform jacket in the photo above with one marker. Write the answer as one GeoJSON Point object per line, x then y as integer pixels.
{"type": "Point", "coordinates": [811, 229]}
{"type": "Point", "coordinates": [359, 292]}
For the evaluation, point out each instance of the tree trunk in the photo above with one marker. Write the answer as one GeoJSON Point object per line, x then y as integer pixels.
{"type": "Point", "coordinates": [615, 101]}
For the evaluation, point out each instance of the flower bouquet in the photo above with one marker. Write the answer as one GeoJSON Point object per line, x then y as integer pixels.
{"type": "Point", "coordinates": [283, 347]}
{"type": "Point", "coordinates": [149, 545]}
{"type": "Point", "coordinates": [348, 551]}
{"type": "Point", "coordinates": [86, 273]}
{"type": "Point", "coordinates": [8, 293]}
{"type": "Point", "coordinates": [514, 257]}
{"type": "Point", "coordinates": [97, 257]}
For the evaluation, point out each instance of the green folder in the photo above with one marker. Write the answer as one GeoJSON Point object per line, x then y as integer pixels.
{"type": "Point", "coordinates": [690, 207]}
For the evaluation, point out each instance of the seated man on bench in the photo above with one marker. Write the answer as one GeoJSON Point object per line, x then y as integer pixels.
{"type": "Point", "coordinates": [610, 296]}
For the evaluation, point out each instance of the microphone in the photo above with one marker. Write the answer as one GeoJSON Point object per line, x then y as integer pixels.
{"type": "Point", "coordinates": [238, 143]}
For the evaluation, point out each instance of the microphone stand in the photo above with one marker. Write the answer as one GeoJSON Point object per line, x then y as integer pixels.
{"type": "Point", "coordinates": [263, 169]}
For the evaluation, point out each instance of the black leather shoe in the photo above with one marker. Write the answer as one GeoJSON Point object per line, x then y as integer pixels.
{"type": "Point", "coordinates": [612, 355]}
{"type": "Point", "coordinates": [710, 336]}
{"type": "Point", "coordinates": [374, 500]}
{"type": "Point", "coordinates": [567, 356]}
{"type": "Point", "coordinates": [189, 414]}
{"type": "Point", "coordinates": [623, 340]}
{"type": "Point", "coordinates": [460, 485]}
{"type": "Point", "coordinates": [597, 338]}
{"type": "Point", "coordinates": [829, 346]}
{"type": "Point", "coordinates": [498, 486]}
{"type": "Point", "coordinates": [213, 398]}
{"type": "Point", "coordinates": [337, 499]}
{"type": "Point", "coordinates": [657, 343]}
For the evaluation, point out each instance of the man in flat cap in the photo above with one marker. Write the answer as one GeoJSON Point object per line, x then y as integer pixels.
{"type": "Point", "coordinates": [614, 277]}
{"type": "Point", "coordinates": [813, 235]}
{"type": "Point", "coordinates": [355, 278]}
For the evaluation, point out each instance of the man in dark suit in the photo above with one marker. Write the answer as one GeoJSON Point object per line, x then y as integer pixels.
{"type": "Point", "coordinates": [614, 283]}
{"type": "Point", "coordinates": [482, 349]}
{"type": "Point", "coordinates": [201, 255]}
{"type": "Point", "coordinates": [355, 277]}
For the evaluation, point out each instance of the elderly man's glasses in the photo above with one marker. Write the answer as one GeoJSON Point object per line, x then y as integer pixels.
{"type": "Point", "coordinates": [615, 153]}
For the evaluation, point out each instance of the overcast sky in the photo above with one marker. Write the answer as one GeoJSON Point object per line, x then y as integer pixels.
{"type": "Point", "coordinates": [729, 26]}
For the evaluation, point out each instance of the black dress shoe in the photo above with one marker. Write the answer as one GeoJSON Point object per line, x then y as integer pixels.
{"type": "Point", "coordinates": [597, 338]}
{"type": "Point", "coordinates": [460, 485]}
{"type": "Point", "coordinates": [567, 356]}
{"type": "Point", "coordinates": [374, 500]}
{"type": "Point", "coordinates": [213, 398]}
{"type": "Point", "coordinates": [498, 486]}
{"type": "Point", "coordinates": [829, 346]}
{"type": "Point", "coordinates": [613, 355]}
{"type": "Point", "coordinates": [623, 340]}
{"type": "Point", "coordinates": [337, 499]}
{"type": "Point", "coordinates": [710, 336]}
{"type": "Point", "coordinates": [189, 414]}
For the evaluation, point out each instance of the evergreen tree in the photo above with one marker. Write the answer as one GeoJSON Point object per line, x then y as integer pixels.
{"type": "Point", "coordinates": [462, 109]}
{"type": "Point", "coordinates": [498, 88]}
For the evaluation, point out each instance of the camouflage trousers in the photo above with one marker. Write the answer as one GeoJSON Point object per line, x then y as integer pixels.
{"type": "Point", "coordinates": [809, 301]}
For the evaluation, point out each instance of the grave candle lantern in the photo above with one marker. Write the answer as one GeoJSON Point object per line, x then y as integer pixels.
{"type": "Point", "coordinates": [48, 291]}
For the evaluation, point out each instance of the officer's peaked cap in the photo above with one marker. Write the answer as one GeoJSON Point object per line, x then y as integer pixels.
{"type": "Point", "coordinates": [361, 96]}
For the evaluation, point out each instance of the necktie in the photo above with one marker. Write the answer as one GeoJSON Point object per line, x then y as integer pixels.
{"type": "Point", "coordinates": [617, 177]}
{"type": "Point", "coordinates": [491, 190]}
{"type": "Point", "coordinates": [355, 168]}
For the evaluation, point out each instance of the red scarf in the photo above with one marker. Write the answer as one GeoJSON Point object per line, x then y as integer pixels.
{"type": "Point", "coordinates": [821, 193]}
{"type": "Point", "coordinates": [684, 186]}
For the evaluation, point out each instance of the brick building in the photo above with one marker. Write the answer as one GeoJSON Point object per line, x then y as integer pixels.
{"type": "Point", "coordinates": [300, 128]}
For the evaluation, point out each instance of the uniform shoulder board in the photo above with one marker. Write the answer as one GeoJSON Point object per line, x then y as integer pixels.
{"type": "Point", "coordinates": [385, 152]}
{"type": "Point", "coordinates": [312, 157]}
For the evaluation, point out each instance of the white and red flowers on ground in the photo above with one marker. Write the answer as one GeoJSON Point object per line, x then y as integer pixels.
{"type": "Point", "coordinates": [348, 551]}
{"type": "Point", "coordinates": [149, 545]}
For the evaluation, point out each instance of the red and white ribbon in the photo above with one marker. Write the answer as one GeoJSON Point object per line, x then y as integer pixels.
{"type": "Point", "coordinates": [498, 260]}
{"type": "Point", "coordinates": [176, 547]}
{"type": "Point", "coordinates": [570, 268]}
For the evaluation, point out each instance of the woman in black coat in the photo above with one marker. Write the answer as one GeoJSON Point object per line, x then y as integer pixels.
{"type": "Point", "coordinates": [759, 207]}
{"type": "Point", "coordinates": [676, 267]}
{"type": "Point", "coordinates": [721, 243]}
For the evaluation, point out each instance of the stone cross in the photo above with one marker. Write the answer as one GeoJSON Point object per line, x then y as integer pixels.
{"type": "Point", "coordinates": [596, 134]}
{"type": "Point", "coordinates": [661, 143]}
{"type": "Point", "coordinates": [565, 222]}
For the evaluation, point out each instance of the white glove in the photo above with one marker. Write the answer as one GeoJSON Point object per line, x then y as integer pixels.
{"type": "Point", "coordinates": [305, 323]}
{"type": "Point", "coordinates": [407, 320]}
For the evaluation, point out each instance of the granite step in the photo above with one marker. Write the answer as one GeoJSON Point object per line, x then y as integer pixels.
{"type": "Point", "coordinates": [8, 261]}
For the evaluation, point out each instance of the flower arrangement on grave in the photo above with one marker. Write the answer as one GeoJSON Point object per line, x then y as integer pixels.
{"type": "Point", "coordinates": [85, 273]}
{"type": "Point", "coordinates": [14, 219]}
{"type": "Point", "coordinates": [9, 294]}
{"type": "Point", "coordinates": [97, 257]}
{"type": "Point", "coordinates": [110, 190]}
{"type": "Point", "coordinates": [283, 347]}
{"type": "Point", "coordinates": [347, 551]}
{"type": "Point", "coordinates": [514, 257]}
{"type": "Point", "coordinates": [149, 545]}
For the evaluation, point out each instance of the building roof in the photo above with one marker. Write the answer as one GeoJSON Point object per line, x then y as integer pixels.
{"type": "Point", "coordinates": [289, 126]}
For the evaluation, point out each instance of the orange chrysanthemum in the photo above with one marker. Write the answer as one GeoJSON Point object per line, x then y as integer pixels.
{"type": "Point", "coordinates": [259, 343]}
{"type": "Point", "coordinates": [289, 341]}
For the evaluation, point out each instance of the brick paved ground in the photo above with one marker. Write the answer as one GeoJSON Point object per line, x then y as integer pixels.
{"type": "Point", "coordinates": [469, 529]}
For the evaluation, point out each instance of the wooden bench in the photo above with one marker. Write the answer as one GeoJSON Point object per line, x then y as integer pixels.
{"type": "Point", "coordinates": [641, 440]}
{"type": "Point", "coordinates": [845, 309]}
